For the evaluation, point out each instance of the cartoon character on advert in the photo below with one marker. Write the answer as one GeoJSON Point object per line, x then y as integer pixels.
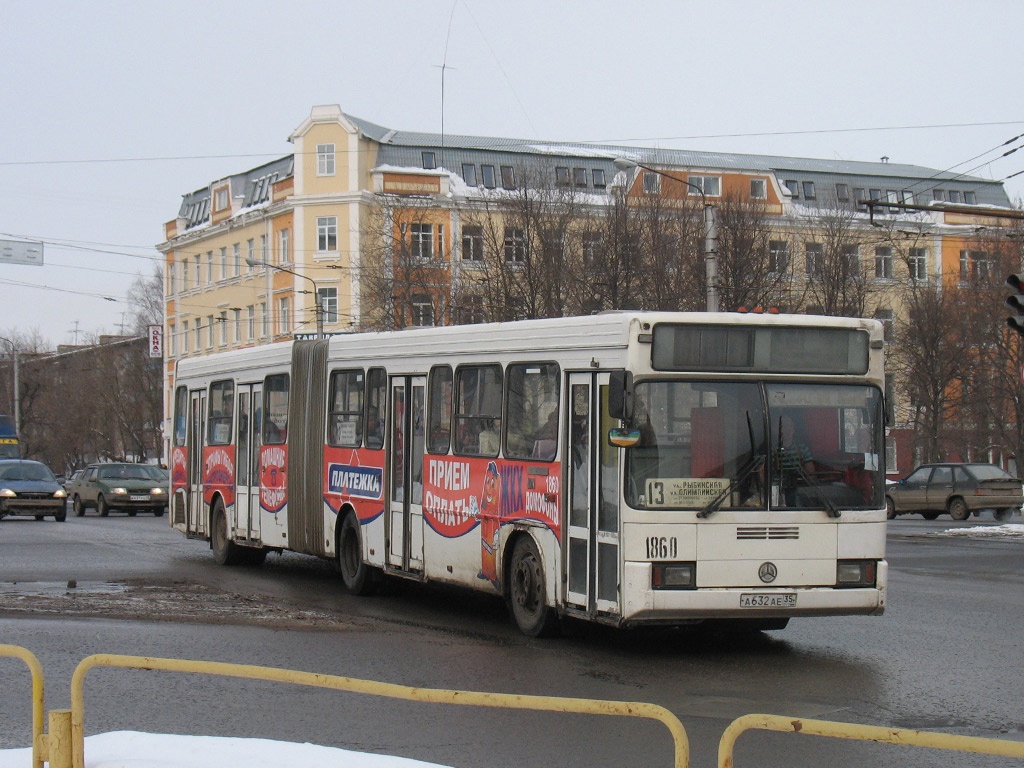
{"type": "Point", "coordinates": [488, 512]}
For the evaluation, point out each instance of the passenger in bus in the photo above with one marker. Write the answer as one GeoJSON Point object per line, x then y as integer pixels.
{"type": "Point", "coordinates": [490, 438]}
{"type": "Point", "coordinates": [792, 458]}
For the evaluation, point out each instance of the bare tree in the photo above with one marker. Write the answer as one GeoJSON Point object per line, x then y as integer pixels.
{"type": "Point", "coordinates": [839, 281]}
{"type": "Point", "coordinates": [146, 301]}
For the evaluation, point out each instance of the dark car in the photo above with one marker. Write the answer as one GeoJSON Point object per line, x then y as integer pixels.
{"type": "Point", "coordinates": [958, 489]}
{"type": "Point", "coordinates": [30, 488]}
{"type": "Point", "coordinates": [119, 487]}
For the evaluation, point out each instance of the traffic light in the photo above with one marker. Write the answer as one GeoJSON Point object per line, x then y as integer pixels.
{"type": "Point", "coordinates": [1016, 303]}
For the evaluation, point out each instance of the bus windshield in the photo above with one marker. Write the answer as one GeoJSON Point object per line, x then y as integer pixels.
{"type": "Point", "coordinates": [747, 445]}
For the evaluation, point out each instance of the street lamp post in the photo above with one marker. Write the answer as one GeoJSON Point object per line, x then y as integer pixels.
{"type": "Point", "coordinates": [316, 291]}
{"type": "Point", "coordinates": [17, 400]}
{"type": "Point", "coordinates": [710, 229]}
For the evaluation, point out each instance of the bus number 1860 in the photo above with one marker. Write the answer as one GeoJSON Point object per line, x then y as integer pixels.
{"type": "Point", "coordinates": [662, 547]}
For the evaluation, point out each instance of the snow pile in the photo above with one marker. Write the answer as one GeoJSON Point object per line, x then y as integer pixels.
{"type": "Point", "coordinates": [131, 749]}
{"type": "Point", "coordinates": [1009, 531]}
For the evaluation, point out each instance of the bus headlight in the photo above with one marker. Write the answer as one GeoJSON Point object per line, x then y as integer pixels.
{"type": "Point", "coordinates": [856, 573]}
{"type": "Point", "coordinates": [673, 575]}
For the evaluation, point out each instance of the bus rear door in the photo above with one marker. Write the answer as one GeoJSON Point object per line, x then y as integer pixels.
{"type": "Point", "coordinates": [196, 518]}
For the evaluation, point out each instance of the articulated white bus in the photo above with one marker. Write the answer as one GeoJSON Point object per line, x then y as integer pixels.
{"type": "Point", "coordinates": [627, 468]}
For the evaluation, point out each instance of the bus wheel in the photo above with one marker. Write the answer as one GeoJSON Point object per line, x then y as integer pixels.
{"type": "Point", "coordinates": [225, 551]}
{"type": "Point", "coordinates": [526, 591]}
{"type": "Point", "coordinates": [358, 577]}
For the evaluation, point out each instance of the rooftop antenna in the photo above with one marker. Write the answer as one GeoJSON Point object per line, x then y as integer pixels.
{"type": "Point", "coordinates": [75, 333]}
{"type": "Point", "coordinates": [444, 67]}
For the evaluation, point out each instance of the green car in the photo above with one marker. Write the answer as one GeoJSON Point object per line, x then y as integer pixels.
{"type": "Point", "coordinates": [130, 488]}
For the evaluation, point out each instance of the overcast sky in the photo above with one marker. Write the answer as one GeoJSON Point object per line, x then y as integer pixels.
{"type": "Point", "coordinates": [113, 110]}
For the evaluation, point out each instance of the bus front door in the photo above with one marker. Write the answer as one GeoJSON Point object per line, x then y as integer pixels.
{"type": "Point", "coordinates": [592, 549]}
{"type": "Point", "coordinates": [406, 438]}
{"type": "Point", "coordinates": [195, 522]}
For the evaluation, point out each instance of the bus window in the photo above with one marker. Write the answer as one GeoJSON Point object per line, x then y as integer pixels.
{"type": "Point", "coordinates": [180, 415]}
{"type": "Point", "coordinates": [376, 388]}
{"type": "Point", "coordinates": [439, 429]}
{"type": "Point", "coordinates": [275, 409]}
{"type": "Point", "coordinates": [478, 410]}
{"type": "Point", "coordinates": [345, 424]}
{"type": "Point", "coordinates": [222, 403]}
{"type": "Point", "coordinates": [532, 427]}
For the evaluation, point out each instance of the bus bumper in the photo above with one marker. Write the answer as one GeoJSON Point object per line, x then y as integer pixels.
{"type": "Point", "coordinates": [643, 605]}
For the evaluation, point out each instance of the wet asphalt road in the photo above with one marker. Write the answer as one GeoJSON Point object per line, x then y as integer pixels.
{"type": "Point", "coordinates": [946, 655]}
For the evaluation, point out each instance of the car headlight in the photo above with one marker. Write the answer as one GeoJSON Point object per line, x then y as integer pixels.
{"type": "Point", "coordinates": [61, 494]}
{"type": "Point", "coordinates": [119, 491]}
{"type": "Point", "coordinates": [157, 491]}
{"type": "Point", "coordinates": [7, 493]}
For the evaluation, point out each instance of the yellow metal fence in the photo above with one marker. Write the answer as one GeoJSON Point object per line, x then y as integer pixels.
{"type": "Point", "coordinates": [63, 746]}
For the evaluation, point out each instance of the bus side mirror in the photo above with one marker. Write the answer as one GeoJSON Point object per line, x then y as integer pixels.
{"type": "Point", "coordinates": [620, 395]}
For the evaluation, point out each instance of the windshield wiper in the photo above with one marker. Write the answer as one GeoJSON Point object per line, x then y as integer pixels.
{"type": "Point", "coordinates": [715, 504]}
{"type": "Point", "coordinates": [814, 486]}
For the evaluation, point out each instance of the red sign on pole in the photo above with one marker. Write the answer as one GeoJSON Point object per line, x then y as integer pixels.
{"type": "Point", "coordinates": [156, 341]}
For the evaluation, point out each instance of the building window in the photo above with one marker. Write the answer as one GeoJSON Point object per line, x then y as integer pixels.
{"type": "Point", "coordinates": [794, 188]}
{"type": "Point", "coordinates": [842, 193]}
{"type": "Point", "coordinates": [184, 274]}
{"type": "Point", "coordinates": [211, 332]}
{"type": "Point", "coordinates": [562, 176]}
{"type": "Point", "coordinates": [906, 198]}
{"type": "Point", "coordinates": [250, 322]}
{"type": "Point", "coordinates": [976, 266]}
{"type": "Point", "coordinates": [224, 263]}
{"type": "Point", "coordinates": [885, 316]}
{"type": "Point", "coordinates": [263, 248]}
{"type": "Point", "coordinates": [808, 190]}
{"type": "Point", "coordinates": [421, 310]}
{"type": "Point", "coordinates": [778, 256]}
{"type": "Point", "coordinates": [508, 177]}
{"type": "Point", "coordinates": [758, 189]}
{"type": "Point", "coordinates": [858, 195]}
{"type": "Point", "coordinates": [199, 333]}
{"type": "Point", "coordinates": [329, 304]}
{"type": "Point", "coordinates": [284, 315]}
{"type": "Point", "coordinates": [891, 197]}
{"type": "Point", "coordinates": [472, 310]}
{"type": "Point", "coordinates": [265, 318]}
{"type": "Point", "coordinates": [236, 322]}
{"type": "Point", "coordinates": [324, 159]}
{"type": "Point", "coordinates": [883, 263]}
{"type": "Point", "coordinates": [851, 262]}
{"type": "Point", "coordinates": [220, 201]}
{"type": "Point", "coordinates": [814, 254]}
{"type": "Point", "coordinates": [473, 243]}
{"type": "Point", "coordinates": [515, 245]}
{"type": "Point", "coordinates": [918, 263]}
{"type": "Point", "coordinates": [199, 271]}
{"type": "Point", "coordinates": [579, 176]}
{"type": "Point", "coordinates": [970, 198]}
{"type": "Point", "coordinates": [954, 196]}
{"type": "Point", "coordinates": [592, 243]}
{"type": "Point", "coordinates": [250, 250]}
{"type": "Point", "coordinates": [284, 243]}
{"type": "Point", "coordinates": [469, 174]}
{"type": "Point", "coordinates": [875, 194]}
{"type": "Point", "coordinates": [890, 456]}
{"type": "Point", "coordinates": [184, 337]}
{"type": "Point", "coordinates": [327, 233]}
{"type": "Point", "coordinates": [487, 172]}
{"type": "Point", "coordinates": [597, 176]}
{"type": "Point", "coordinates": [711, 186]}
{"type": "Point", "coordinates": [938, 194]}
{"type": "Point", "coordinates": [422, 240]}
{"type": "Point", "coordinates": [652, 183]}
{"type": "Point", "coordinates": [171, 277]}
{"type": "Point", "coordinates": [429, 160]}
{"type": "Point", "coordinates": [173, 339]}
{"type": "Point", "coordinates": [223, 320]}
{"type": "Point", "coordinates": [209, 267]}
{"type": "Point", "coordinates": [236, 251]}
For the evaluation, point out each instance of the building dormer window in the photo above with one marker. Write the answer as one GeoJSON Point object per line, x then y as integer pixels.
{"type": "Point", "coordinates": [220, 201]}
{"type": "Point", "coordinates": [429, 161]}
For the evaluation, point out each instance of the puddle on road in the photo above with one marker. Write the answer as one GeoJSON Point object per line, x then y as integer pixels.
{"type": "Point", "coordinates": [53, 588]}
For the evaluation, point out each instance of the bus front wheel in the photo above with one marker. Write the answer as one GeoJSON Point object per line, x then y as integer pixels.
{"type": "Point", "coordinates": [358, 577]}
{"type": "Point", "coordinates": [527, 591]}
